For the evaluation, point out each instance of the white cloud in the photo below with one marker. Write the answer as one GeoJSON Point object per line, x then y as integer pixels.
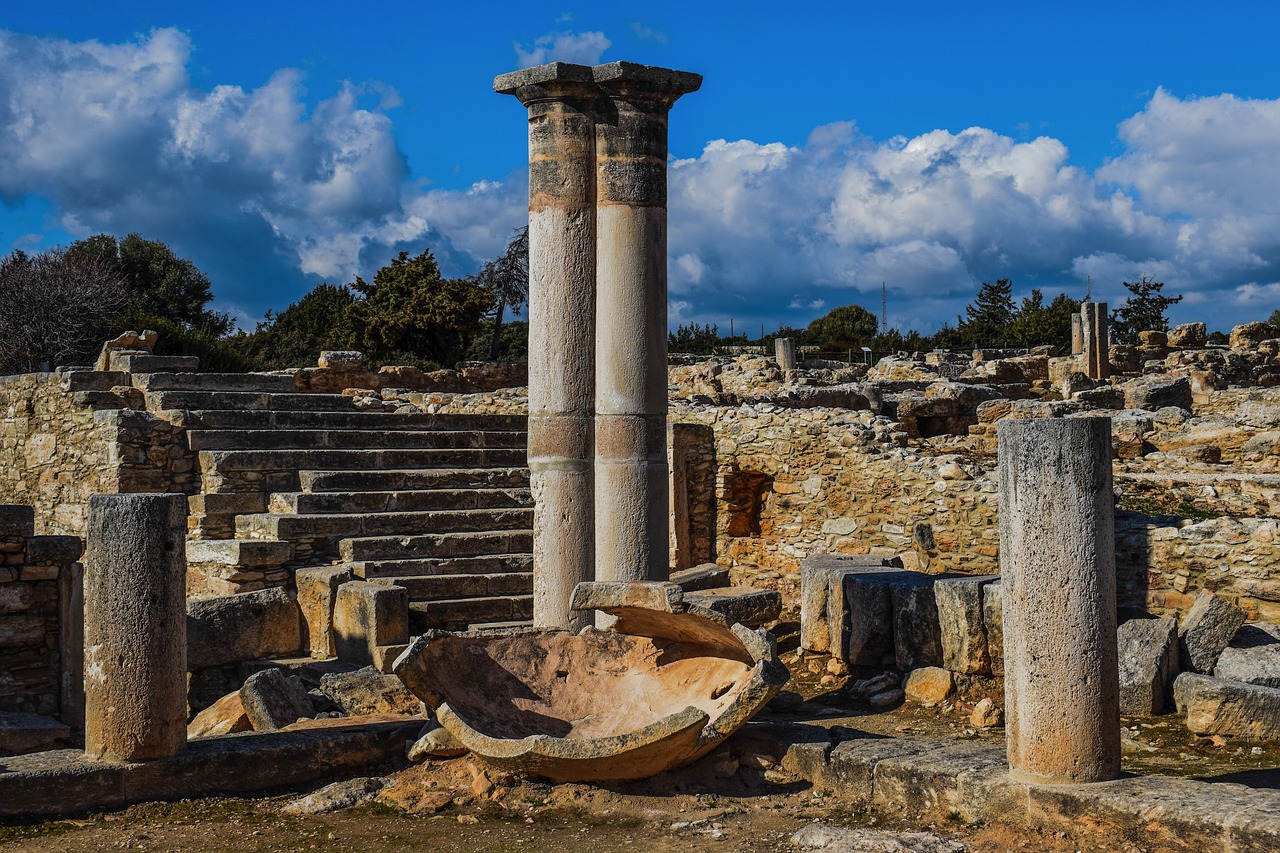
{"type": "Point", "coordinates": [646, 33]}
{"type": "Point", "coordinates": [582, 48]}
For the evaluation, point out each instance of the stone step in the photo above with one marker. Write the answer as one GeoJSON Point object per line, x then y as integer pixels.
{"type": "Point", "coordinates": [306, 459]}
{"type": "Point", "coordinates": [235, 552]}
{"type": "Point", "coordinates": [298, 528]}
{"type": "Point", "coordinates": [398, 501]}
{"type": "Point", "coordinates": [364, 549]}
{"type": "Point", "coordinates": [485, 565]}
{"type": "Point", "coordinates": [140, 363]}
{"type": "Point", "coordinates": [248, 401]}
{"type": "Point", "coordinates": [320, 439]}
{"type": "Point", "coordinates": [331, 420]}
{"type": "Point", "coordinates": [315, 482]}
{"type": "Point", "coordinates": [265, 382]}
{"type": "Point", "coordinates": [506, 625]}
{"type": "Point", "coordinates": [444, 587]}
{"type": "Point", "coordinates": [460, 612]}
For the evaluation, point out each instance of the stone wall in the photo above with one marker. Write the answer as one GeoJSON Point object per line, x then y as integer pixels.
{"type": "Point", "coordinates": [74, 435]}
{"type": "Point", "coordinates": [41, 619]}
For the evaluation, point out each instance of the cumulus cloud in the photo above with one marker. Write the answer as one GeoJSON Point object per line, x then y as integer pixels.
{"type": "Point", "coordinates": [269, 195]}
{"type": "Point", "coordinates": [582, 48]}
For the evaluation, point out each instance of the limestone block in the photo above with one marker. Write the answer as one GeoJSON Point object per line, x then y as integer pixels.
{"type": "Point", "coordinates": [705, 576]}
{"type": "Point", "coordinates": [344, 360]}
{"type": "Point", "coordinates": [1247, 336]}
{"type": "Point", "coordinates": [1156, 392]}
{"type": "Point", "coordinates": [1207, 629]}
{"type": "Point", "coordinates": [317, 594]}
{"type": "Point", "coordinates": [963, 631]}
{"type": "Point", "coordinates": [224, 717]}
{"type": "Point", "coordinates": [1188, 336]}
{"type": "Point", "coordinates": [1215, 706]}
{"type": "Point", "coordinates": [748, 605]}
{"type": "Point", "coordinates": [1253, 656]}
{"type": "Point", "coordinates": [929, 685]}
{"type": "Point", "coordinates": [917, 635]}
{"type": "Point", "coordinates": [243, 627]}
{"type": "Point", "coordinates": [273, 700]}
{"type": "Point", "coordinates": [823, 623]}
{"type": "Point", "coordinates": [368, 691]}
{"type": "Point", "coordinates": [1148, 655]}
{"type": "Point", "coordinates": [17, 520]}
{"type": "Point", "coordinates": [21, 732]}
{"type": "Point", "coordinates": [435, 741]}
{"type": "Point", "coordinates": [869, 610]}
{"type": "Point", "coordinates": [368, 615]}
{"type": "Point", "coordinates": [53, 550]}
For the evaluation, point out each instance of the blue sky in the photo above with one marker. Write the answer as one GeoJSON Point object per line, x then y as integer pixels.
{"type": "Point", "coordinates": [931, 146]}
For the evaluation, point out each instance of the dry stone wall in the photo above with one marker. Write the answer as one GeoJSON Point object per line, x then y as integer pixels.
{"type": "Point", "coordinates": [66, 437]}
{"type": "Point", "coordinates": [40, 619]}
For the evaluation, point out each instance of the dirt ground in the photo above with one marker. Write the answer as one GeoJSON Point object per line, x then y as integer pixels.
{"type": "Point", "coordinates": [454, 806]}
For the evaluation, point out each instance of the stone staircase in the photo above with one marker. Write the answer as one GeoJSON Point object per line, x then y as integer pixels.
{"type": "Point", "coordinates": [437, 504]}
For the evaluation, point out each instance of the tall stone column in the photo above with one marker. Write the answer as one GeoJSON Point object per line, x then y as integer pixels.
{"type": "Point", "coordinates": [1057, 565]}
{"type": "Point", "coordinates": [561, 99]}
{"type": "Point", "coordinates": [631, 500]}
{"type": "Point", "coordinates": [135, 634]}
{"type": "Point", "coordinates": [1077, 336]}
{"type": "Point", "coordinates": [1101, 340]}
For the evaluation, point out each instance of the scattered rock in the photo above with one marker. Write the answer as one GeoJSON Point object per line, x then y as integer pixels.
{"type": "Point", "coordinates": [368, 691]}
{"type": "Point", "coordinates": [1215, 706]}
{"type": "Point", "coordinates": [435, 741]}
{"type": "Point", "coordinates": [879, 684]}
{"type": "Point", "coordinates": [1156, 392]}
{"type": "Point", "coordinates": [986, 714]}
{"type": "Point", "coordinates": [339, 795]}
{"type": "Point", "coordinates": [786, 702]}
{"type": "Point", "coordinates": [887, 698]}
{"type": "Point", "coordinates": [1189, 336]}
{"type": "Point", "coordinates": [1253, 656]}
{"type": "Point", "coordinates": [929, 685]}
{"type": "Point", "coordinates": [1207, 629]}
{"type": "Point", "coordinates": [821, 836]}
{"type": "Point", "coordinates": [224, 717]}
{"type": "Point", "coordinates": [1148, 663]}
{"type": "Point", "coordinates": [272, 700]}
{"type": "Point", "coordinates": [1247, 336]}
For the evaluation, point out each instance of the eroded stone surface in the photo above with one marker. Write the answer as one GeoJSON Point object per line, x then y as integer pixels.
{"type": "Point", "coordinates": [1215, 706]}
{"type": "Point", "coordinates": [1206, 631]}
{"type": "Point", "coordinates": [273, 700]}
{"type": "Point", "coordinates": [1148, 655]}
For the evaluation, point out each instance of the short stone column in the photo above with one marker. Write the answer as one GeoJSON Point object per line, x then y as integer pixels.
{"type": "Point", "coordinates": [1057, 564]}
{"type": "Point", "coordinates": [631, 497]}
{"type": "Point", "coordinates": [135, 636]}
{"type": "Point", "coordinates": [784, 352]}
{"type": "Point", "coordinates": [562, 266]}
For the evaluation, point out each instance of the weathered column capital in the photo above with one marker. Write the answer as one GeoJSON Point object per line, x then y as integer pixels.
{"type": "Point", "coordinates": [645, 84]}
{"type": "Point", "coordinates": [553, 81]}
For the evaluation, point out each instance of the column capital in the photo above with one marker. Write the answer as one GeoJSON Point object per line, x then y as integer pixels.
{"type": "Point", "coordinates": [554, 80]}
{"type": "Point", "coordinates": [647, 83]}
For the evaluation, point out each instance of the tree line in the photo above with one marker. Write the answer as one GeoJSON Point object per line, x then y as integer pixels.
{"type": "Point", "coordinates": [993, 320]}
{"type": "Point", "coordinates": [58, 306]}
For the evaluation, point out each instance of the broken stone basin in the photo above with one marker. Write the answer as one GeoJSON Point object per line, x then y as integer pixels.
{"type": "Point", "coordinates": [661, 688]}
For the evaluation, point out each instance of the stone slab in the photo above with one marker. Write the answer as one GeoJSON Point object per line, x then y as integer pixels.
{"type": "Point", "coordinates": [20, 732]}
{"type": "Point", "coordinates": [929, 783]}
{"type": "Point", "coordinates": [1253, 656]}
{"type": "Point", "coordinates": [750, 606]}
{"type": "Point", "coordinates": [1148, 655]}
{"type": "Point", "coordinates": [705, 576]}
{"type": "Point", "coordinates": [64, 782]}
{"type": "Point", "coordinates": [1215, 706]}
{"type": "Point", "coordinates": [246, 626]}
{"type": "Point", "coordinates": [823, 612]}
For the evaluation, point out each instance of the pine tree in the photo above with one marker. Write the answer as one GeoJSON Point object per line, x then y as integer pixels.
{"type": "Point", "coordinates": [988, 319]}
{"type": "Point", "coordinates": [1143, 311]}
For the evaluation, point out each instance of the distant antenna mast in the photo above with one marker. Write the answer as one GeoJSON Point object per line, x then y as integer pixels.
{"type": "Point", "coordinates": [884, 308]}
{"type": "Point", "coordinates": [1088, 288]}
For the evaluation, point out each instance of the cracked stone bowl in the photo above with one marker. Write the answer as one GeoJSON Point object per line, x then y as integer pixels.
{"type": "Point", "coordinates": [662, 687]}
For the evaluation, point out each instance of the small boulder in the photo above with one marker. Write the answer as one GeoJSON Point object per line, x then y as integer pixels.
{"type": "Point", "coordinates": [1207, 629]}
{"type": "Point", "coordinates": [339, 795]}
{"type": "Point", "coordinates": [273, 700]}
{"type": "Point", "coordinates": [224, 717]}
{"type": "Point", "coordinates": [986, 714]}
{"type": "Point", "coordinates": [435, 741]}
{"type": "Point", "coordinates": [1253, 656]}
{"type": "Point", "coordinates": [1247, 336]}
{"type": "Point", "coordinates": [368, 691]}
{"type": "Point", "coordinates": [929, 685]}
{"type": "Point", "coordinates": [1189, 336]}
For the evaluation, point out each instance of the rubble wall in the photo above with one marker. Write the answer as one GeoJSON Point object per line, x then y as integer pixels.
{"type": "Point", "coordinates": [60, 445]}
{"type": "Point", "coordinates": [40, 619]}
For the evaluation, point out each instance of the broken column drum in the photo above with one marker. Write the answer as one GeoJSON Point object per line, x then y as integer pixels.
{"type": "Point", "coordinates": [135, 680]}
{"type": "Point", "coordinates": [560, 98]}
{"type": "Point", "coordinates": [631, 480]}
{"type": "Point", "coordinates": [784, 352]}
{"type": "Point", "coordinates": [1057, 562]}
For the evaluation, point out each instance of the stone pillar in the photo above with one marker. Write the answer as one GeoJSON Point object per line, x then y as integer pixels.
{"type": "Point", "coordinates": [1057, 563]}
{"type": "Point", "coordinates": [1101, 340]}
{"type": "Point", "coordinates": [1077, 339]}
{"type": "Point", "coordinates": [562, 265]}
{"type": "Point", "coordinates": [784, 352]}
{"type": "Point", "coordinates": [631, 498]}
{"type": "Point", "coordinates": [1094, 341]}
{"type": "Point", "coordinates": [135, 682]}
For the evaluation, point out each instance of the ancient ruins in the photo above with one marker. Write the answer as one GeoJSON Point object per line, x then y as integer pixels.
{"type": "Point", "coordinates": [982, 578]}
